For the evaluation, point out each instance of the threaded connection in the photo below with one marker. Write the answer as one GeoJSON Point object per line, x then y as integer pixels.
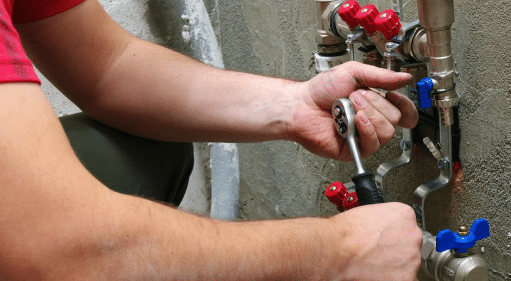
{"type": "Point", "coordinates": [432, 148]}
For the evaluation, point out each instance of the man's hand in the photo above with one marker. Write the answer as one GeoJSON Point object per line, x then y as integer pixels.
{"type": "Point", "coordinates": [312, 124]}
{"type": "Point", "coordinates": [383, 243]}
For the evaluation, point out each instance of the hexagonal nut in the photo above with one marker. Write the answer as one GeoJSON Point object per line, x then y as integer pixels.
{"type": "Point", "coordinates": [323, 38]}
{"type": "Point", "coordinates": [428, 247]}
{"type": "Point", "coordinates": [447, 102]}
{"type": "Point", "coordinates": [332, 49]}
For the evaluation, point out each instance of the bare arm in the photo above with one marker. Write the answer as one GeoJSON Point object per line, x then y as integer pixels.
{"type": "Point", "coordinates": [151, 91]}
{"type": "Point", "coordinates": [59, 223]}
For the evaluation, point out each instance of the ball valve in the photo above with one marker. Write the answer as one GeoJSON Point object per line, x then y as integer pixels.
{"type": "Point", "coordinates": [338, 194]}
{"type": "Point", "coordinates": [348, 11]}
{"type": "Point", "coordinates": [424, 89]}
{"type": "Point", "coordinates": [457, 264]}
{"type": "Point", "coordinates": [387, 22]}
{"type": "Point", "coordinates": [366, 17]}
{"type": "Point", "coordinates": [462, 240]}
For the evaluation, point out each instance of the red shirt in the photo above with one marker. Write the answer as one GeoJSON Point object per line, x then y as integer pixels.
{"type": "Point", "coordinates": [14, 63]}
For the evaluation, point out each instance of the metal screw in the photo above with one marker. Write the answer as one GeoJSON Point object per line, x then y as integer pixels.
{"type": "Point", "coordinates": [364, 10]}
{"type": "Point", "coordinates": [349, 199]}
{"type": "Point", "coordinates": [332, 188]}
{"type": "Point", "coordinates": [405, 144]}
{"type": "Point", "coordinates": [383, 15]}
{"type": "Point", "coordinates": [346, 5]}
{"type": "Point", "coordinates": [443, 164]}
{"type": "Point", "coordinates": [463, 230]}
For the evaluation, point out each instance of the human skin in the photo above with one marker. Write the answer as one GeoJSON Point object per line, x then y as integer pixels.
{"type": "Point", "coordinates": [59, 223]}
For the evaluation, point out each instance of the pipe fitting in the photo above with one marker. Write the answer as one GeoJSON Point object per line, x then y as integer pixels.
{"type": "Point", "coordinates": [447, 265]}
{"type": "Point", "coordinates": [328, 40]}
{"type": "Point", "coordinates": [419, 45]}
{"type": "Point", "coordinates": [437, 17]}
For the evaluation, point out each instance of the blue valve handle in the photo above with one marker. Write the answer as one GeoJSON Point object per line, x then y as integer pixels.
{"type": "Point", "coordinates": [424, 90]}
{"type": "Point", "coordinates": [446, 240]}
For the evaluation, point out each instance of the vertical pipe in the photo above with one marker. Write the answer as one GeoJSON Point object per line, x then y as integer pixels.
{"type": "Point", "coordinates": [225, 181]}
{"type": "Point", "coordinates": [437, 17]}
{"type": "Point", "coordinates": [224, 157]}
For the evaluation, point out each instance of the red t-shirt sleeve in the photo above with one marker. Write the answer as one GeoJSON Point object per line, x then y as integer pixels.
{"type": "Point", "coordinates": [32, 10]}
{"type": "Point", "coordinates": [14, 63]}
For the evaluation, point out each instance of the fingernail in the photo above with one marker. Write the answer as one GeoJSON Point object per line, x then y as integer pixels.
{"type": "Point", "coordinates": [359, 100]}
{"type": "Point", "coordinates": [363, 119]}
{"type": "Point", "coordinates": [362, 91]}
{"type": "Point", "coordinates": [403, 74]}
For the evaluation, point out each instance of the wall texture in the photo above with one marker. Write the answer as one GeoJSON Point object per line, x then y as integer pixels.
{"type": "Point", "coordinates": [281, 179]}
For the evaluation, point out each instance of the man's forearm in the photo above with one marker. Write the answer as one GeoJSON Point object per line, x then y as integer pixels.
{"type": "Point", "coordinates": [60, 223]}
{"type": "Point", "coordinates": [162, 243]}
{"type": "Point", "coordinates": [157, 93]}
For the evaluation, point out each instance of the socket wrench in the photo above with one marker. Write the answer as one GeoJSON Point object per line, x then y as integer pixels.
{"type": "Point", "coordinates": [344, 119]}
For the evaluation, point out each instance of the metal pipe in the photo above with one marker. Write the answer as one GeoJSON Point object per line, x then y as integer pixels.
{"type": "Point", "coordinates": [437, 17]}
{"type": "Point", "coordinates": [327, 38]}
{"type": "Point", "coordinates": [331, 44]}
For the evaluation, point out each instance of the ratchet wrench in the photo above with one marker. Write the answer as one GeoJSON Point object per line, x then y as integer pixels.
{"type": "Point", "coordinates": [344, 118]}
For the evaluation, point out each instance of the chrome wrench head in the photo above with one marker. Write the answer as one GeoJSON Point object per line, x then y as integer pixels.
{"type": "Point", "coordinates": [344, 119]}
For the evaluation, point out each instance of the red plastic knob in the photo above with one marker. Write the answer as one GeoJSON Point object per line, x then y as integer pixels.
{"type": "Point", "coordinates": [366, 17]}
{"type": "Point", "coordinates": [348, 11]}
{"type": "Point", "coordinates": [336, 193]}
{"type": "Point", "coordinates": [350, 201]}
{"type": "Point", "coordinates": [388, 24]}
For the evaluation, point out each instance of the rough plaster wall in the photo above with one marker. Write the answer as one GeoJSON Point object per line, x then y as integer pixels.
{"type": "Point", "coordinates": [281, 179]}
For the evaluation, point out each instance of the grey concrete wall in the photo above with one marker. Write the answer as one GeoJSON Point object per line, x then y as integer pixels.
{"type": "Point", "coordinates": [281, 179]}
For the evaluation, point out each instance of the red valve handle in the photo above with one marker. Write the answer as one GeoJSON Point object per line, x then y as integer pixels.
{"type": "Point", "coordinates": [350, 201]}
{"type": "Point", "coordinates": [388, 24]}
{"type": "Point", "coordinates": [366, 17]}
{"type": "Point", "coordinates": [348, 11]}
{"type": "Point", "coordinates": [338, 194]}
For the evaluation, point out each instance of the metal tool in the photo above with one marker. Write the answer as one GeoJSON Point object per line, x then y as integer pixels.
{"type": "Point", "coordinates": [365, 187]}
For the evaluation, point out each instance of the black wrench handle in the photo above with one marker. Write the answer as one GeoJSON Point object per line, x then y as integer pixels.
{"type": "Point", "coordinates": [366, 189]}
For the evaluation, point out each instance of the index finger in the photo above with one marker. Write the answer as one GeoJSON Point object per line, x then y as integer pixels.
{"type": "Point", "coordinates": [371, 76]}
{"type": "Point", "coordinates": [409, 114]}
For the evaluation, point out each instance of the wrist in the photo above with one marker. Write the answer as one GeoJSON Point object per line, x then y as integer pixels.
{"type": "Point", "coordinates": [293, 97]}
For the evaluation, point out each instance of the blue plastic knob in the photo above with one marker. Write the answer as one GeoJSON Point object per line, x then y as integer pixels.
{"type": "Point", "coordinates": [446, 240]}
{"type": "Point", "coordinates": [424, 89]}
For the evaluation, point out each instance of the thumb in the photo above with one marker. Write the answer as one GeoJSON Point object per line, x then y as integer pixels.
{"type": "Point", "coordinates": [375, 77]}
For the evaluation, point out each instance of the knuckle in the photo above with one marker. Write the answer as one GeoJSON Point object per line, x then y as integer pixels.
{"type": "Point", "coordinates": [395, 117]}
{"type": "Point", "coordinates": [386, 135]}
